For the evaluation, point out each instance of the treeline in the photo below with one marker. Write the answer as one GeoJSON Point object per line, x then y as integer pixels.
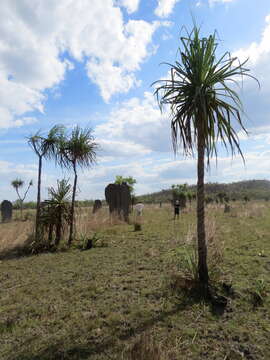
{"type": "Point", "coordinates": [253, 189]}
{"type": "Point", "coordinates": [33, 205]}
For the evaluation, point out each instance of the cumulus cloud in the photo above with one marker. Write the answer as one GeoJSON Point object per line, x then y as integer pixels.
{"type": "Point", "coordinates": [130, 5]}
{"type": "Point", "coordinates": [138, 121]}
{"type": "Point", "coordinates": [9, 171]}
{"type": "Point", "coordinates": [257, 52]}
{"type": "Point", "coordinates": [39, 40]}
{"type": "Point", "coordinates": [121, 149]}
{"type": "Point", "coordinates": [165, 7]}
{"type": "Point", "coordinates": [257, 102]}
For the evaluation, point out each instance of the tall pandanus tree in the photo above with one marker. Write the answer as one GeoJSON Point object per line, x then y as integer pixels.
{"type": "Point", "coordinates": [77, 150]}
{"type": "Point", "coordinates": [200, 93]}
{"type": "Point", "coordinates": [44, 147]}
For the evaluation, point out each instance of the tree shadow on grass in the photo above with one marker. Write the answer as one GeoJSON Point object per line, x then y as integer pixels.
{"type": "Point", "coordinates": [20, 251]}
{"type": "Point", "coordinates": [110, 348]}
{"type": "Point", "coordinates": [13, 253]}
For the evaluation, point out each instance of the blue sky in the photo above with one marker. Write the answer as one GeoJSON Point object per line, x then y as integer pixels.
{"type": "Point", "coordinates": [92, 63]}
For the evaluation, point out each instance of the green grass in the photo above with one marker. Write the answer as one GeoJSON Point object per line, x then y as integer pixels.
{"type": "Point", "coordinates": [109, 301]}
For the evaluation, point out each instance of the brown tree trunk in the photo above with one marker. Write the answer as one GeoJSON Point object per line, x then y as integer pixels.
{"type": "Point", "coordinates": [202, 248]}
{"type": "Point", "coordinates": [21, 209]}
{"type": "Point", "coordinates": [38, 198]}
{"type": "Point", "coordinates": [21, 204]}
{"type": "Point", "coordinates": [72, 207]}
{"type": "Point", "coordinates": [50, 235]}
{"type": "Point", "coordinates": [58, 231]}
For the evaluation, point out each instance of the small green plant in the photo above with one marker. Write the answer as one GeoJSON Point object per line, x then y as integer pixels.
{"type": "Point", "coordinates": [259, 292]}
{"type": "Point", "coordinates": [189, 263]}
{"type": "Point", "coordinates": [185, 261]}
{"type": "Point", "coordinates": [86, 242]}
{"type": "Point", "coordinates": [36, 246]}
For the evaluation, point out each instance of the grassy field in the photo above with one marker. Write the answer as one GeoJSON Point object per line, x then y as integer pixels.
{"type": "Point", "coordinates": [131, 296]}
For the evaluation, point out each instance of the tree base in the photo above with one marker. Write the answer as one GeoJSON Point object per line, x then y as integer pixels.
{"type": "Point", "coordinates": [137, 227]}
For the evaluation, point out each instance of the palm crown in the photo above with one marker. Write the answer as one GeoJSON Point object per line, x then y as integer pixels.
{"type": "Point", "coordinates": [199, 93]}
{"type": "Point", "coordinates": [79, 149]}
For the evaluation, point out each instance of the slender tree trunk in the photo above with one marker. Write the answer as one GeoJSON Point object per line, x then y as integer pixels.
{"type": "Point", "coordinates": [58, 232]}
{"type": "Point", "coordinates": [38, 198]}
{"type": "Point", "coordinates": [21, 209]}
{"type": "Point", "coordinates": [50, 235]}
{"type": "Point", "coordinates": [21, 205]}
{"type": "Point", "coordinates": [202, 248]}
{"type": "Point", "coordinates": [72, 207]}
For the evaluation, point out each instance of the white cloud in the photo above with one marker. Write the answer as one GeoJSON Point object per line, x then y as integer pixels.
{"type": "Point", "coordinates": [116, 149]}
{"type": "Point", "coordinates": [9, 171]}
{"type": "Point", "coordinates": [257, 52]}
{"type": "Point", "coordinates": [257, 101]}
{"type": "Point", "coordinates": [114, 79]}
{"type": "Point", "coordinates": [214, 2]}
{"type": "Point", "coordinates": [111, 79]}
{"type": "Point", "coordinates": [138, 121]}
{"type": "Point", "coordinates": [130, 5]}
{"type": "Point", "coordinates": [165, 7]}
{"type": "Point", "coordinates": [36, 36]}
{"type": "Point", "coordinates": [15, 100]}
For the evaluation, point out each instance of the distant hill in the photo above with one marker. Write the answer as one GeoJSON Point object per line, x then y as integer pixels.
{"type": "Point", "coordinates": [254, 189]}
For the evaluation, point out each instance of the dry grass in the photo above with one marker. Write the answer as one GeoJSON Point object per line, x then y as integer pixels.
{"type": "Point", "coordinates": [215, 247]}
{"type": "Point", "coordinates": [88, 224]}
{"type": "Point", "coordinates": [147, 347]}
{"type": "Point", "coordinates": [14, 234]}
{"type": "Point", "coordinates": [143, 348]}
{"type": "Point", "coordinates": [252, 210]}
{"type": "Point", "coordinates": [214, 243]}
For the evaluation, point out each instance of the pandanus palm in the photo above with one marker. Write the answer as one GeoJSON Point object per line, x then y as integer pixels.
{"type": "Point", "coordinates": [58, 206]}
{"type": "Point", "coordinates": [44, 147]}
{"type": "Point", "coordinates": [203, 103]}
{"type": "Point", "coordinates": [79, 149]}
{"type": "Point", "coordinates": [17, 184]}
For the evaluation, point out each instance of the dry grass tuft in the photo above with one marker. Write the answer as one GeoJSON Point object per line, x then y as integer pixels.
{"type": "Point", "coordinates": [215, 245]}
{"type": "Point", "coordinates": [144, 348]}
{"type": "Point", "coordinates": [191, 237]}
